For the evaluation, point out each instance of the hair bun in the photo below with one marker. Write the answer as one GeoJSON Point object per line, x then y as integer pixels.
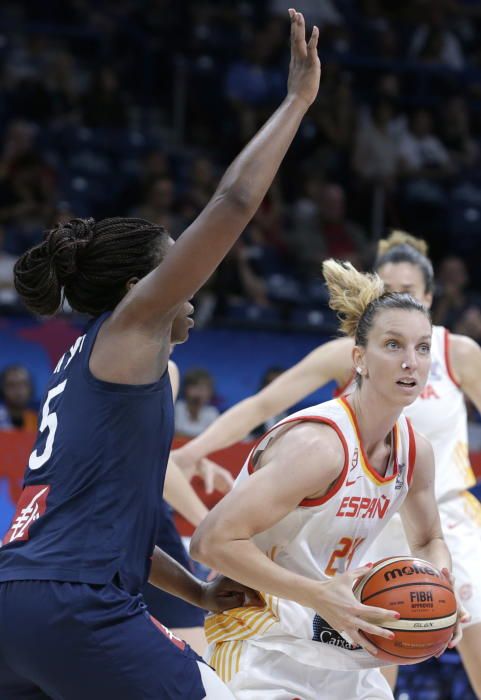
{"type": "Point", "coordinates": [65, 244]}
{"type": "Point", "coordinates": [398, 238]}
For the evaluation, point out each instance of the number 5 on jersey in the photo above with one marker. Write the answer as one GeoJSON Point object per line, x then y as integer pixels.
{"type": "Point", "coordinates": [49, 422]}
{"type": "Point", "coordinates": [345, 550]}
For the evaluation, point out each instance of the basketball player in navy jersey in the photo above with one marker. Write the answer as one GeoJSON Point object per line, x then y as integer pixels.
{"type": "Point", "coordinates": [81, 544]}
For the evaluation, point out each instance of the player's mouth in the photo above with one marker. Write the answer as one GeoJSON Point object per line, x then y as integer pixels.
{"type": "Point", "coordinates": [407, 382]}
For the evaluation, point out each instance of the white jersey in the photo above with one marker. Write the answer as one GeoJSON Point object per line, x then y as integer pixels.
{"type": "Point", "coordinates": [440, 414]}
{"type": "Point", "coordinates": [320, 538]}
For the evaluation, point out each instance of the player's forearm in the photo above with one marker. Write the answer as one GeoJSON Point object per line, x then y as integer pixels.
{"type": "Point", "coordinates": [181, 496]}
{"type": "Point", "coordinates": [434, 551]}
{"type": "Point", "coordinates": [170, 576]}
{"type": "Point", "coordinates": [242, 561]}
{"type": "Point", "coordinates": [232, 426]}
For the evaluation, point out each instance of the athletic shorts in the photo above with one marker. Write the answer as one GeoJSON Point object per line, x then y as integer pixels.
{"type": "Point", "coordinates": [254, 673]}
{"type": "Point", "coordinates": [461, 523]}
{"type": "Point", "coordinates": [169, 609]}
{"type": "Point", "coordinates": [72, 641]}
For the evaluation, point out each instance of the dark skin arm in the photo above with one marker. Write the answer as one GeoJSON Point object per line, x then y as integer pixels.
{"type": "Point", "coordinates": [139, 328]}
{"type": "Point", "coordinates": [216, 596]}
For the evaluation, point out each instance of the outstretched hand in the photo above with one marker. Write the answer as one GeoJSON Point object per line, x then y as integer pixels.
{"type": "Point", "coordinates": [305, 67]}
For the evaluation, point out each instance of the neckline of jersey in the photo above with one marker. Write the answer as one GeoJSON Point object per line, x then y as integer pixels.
{"type": "Point", "coordinates": [369, 470]}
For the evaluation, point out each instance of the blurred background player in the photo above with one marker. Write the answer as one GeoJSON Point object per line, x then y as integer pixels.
{"type": "Point", "coordinates": [81, 544]}
{"type": "Point", "coordinates": [439, 414]}
{"type": "Point", "coordinates": [16, 393]}
{"type": "Point", "coordinates": [286, 530]}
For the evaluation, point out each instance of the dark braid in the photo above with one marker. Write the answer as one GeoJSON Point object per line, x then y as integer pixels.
{"type": "Point", "coordinates": [90, 261]}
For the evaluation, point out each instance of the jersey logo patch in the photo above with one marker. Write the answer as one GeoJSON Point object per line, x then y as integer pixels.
{"type": "Point", "coordinates": [31, 506]}
{"type": "Point", "coordinates": [324, 633]}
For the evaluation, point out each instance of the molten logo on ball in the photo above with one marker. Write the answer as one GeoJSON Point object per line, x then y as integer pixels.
{"type": "Point", "coordinates": [409, 571]}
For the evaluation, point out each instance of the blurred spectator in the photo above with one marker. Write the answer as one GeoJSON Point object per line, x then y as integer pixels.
{"type": "Point", "coordinates": [27, 195]}
{"type": "Point", "coordinates": [456, 133]}
{"type": "Point", "coordinates": [421, 153]}
{"type": "Point", "coordinates": [469, 323]}
{"type": "Point", "coordinates": [321, 228]}
{"type": "Point", "coordinates": [16, 392]}
{"type": "Point", "coordinates": [193, 412]}
{"type": "Point", "coordinates": [253, 84]}
{"type": "Point", "coordinates": [377, 146]}
{"type": "Point", "coordinates": [454, 298]}
{"type": "Point", "coordinates": [8, 295]}
{"type": "Point", "coordinates": [334, 114]}
{"type": "Point", "coordinates": [434, 44]}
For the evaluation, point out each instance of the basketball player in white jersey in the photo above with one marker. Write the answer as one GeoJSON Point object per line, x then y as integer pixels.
{"type": "Point", "coordinates": [314, 494]}
{"type": "Point", "coordinates": [439, 413]}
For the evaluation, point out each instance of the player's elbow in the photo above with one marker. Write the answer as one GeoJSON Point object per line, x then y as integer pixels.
{"type": "Point", "coordinates": [206, 544]}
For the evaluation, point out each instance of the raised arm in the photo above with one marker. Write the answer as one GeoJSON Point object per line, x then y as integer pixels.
{"type": "Point", "coordinates": [198, 251]}
{"type": "Point", "coordinates": [327, 362]}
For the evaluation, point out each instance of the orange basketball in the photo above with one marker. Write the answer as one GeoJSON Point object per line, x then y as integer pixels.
{"type": "Point", "coordinates": [425, 600]}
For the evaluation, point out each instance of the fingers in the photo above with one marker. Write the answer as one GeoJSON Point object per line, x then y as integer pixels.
{"type": "Point", "coordinates": [358, 638]}
{"type": "Point", "coordinates": [374, 629]}
{"type": "Point", "coordinates": [298, 32]}
{"type": "Point", "coordinates": [312, 45]}
{"type": "Point", "coordinates": [361, 571]}
{"type": "Point", "coordinates": [376, 614]}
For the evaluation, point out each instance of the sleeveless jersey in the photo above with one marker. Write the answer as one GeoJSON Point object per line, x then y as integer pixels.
{"type": "Point", "coordinates": [91, 499]}
{"type": "Point", "coordinates": [320, 538]}
{"type": "Point", "coordinates": [440, 414]}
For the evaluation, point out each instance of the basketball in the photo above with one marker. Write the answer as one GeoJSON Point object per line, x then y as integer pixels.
{"type": "Point", "coordinates": [425, 600]}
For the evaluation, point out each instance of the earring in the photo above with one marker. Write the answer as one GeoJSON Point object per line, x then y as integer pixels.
{"type": "Point", "coordinates": [358, 370]}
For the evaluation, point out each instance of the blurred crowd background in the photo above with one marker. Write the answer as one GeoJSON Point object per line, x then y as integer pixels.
{"type": "Point", "coordinates": [135, 107]}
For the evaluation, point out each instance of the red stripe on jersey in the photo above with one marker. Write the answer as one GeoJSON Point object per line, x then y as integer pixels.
{"type": "Point", "coordinates": [412, 451]}
{"type": "Point", "coordinates": [447, 359]}
{"type": "Point", "coordinates": [167, 633]}
{"type": "Point", "coordinates": [310, 502]}
{"type": "Point", "coordinates": [31, 505]}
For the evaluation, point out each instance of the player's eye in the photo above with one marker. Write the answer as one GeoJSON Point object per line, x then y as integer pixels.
{"type": "Point", "coordinates": [392, 344]}
{"type": "Point", "coordinates": [424, 348]}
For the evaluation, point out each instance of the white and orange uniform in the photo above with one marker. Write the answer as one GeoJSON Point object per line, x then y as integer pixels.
{"type": "Point", "coordinates": [285, 650]}
{"type": "Point", "coordinates": [440, 414]}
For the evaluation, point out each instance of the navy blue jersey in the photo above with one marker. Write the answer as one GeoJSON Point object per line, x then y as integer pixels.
{"type": "Point", "coordinates": [91, 502]}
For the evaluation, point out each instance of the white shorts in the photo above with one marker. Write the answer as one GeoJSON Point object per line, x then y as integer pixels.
{"type": "Point", "coordinates": [260, 674]}
{"type": "Point", "coordinates": [461, 523]}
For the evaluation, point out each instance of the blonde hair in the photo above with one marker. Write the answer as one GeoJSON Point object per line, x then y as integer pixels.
{"type": "Point", "coordinates": [397, 238]}
{"type": "Point", "coordinates": [401, 247]}
{"type": "Point", "coordinates": [350, 292]}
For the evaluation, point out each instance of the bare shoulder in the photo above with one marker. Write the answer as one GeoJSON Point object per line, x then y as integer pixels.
{"type": "Point", "coordinates": [309, 441]}
{"type": "Point", "coordinates": [424, 449]}
{"type": "Point", "coordinates": [463, 348]}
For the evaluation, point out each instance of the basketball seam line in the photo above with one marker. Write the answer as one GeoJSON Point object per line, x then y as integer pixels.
{"type": "Point", "coordinates": [403, 585]}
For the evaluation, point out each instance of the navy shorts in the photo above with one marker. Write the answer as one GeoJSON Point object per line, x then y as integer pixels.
{"type": "Point", "coordinates": [71, 641]}
{"type": "Point", "coordinates": [169, 609]}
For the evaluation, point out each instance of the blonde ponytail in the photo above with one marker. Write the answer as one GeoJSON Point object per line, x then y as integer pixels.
{"type": "Point", "coordinates": [350, 292]}
{"type": "Point", "coordinates": [397, 238]}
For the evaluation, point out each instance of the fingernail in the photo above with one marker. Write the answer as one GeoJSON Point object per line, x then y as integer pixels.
{"type": "Point", "coordinates": [369, 564]}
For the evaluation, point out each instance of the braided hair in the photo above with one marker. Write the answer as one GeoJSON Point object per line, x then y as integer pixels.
{"type": "Point", "coordinates": [90, 262]}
